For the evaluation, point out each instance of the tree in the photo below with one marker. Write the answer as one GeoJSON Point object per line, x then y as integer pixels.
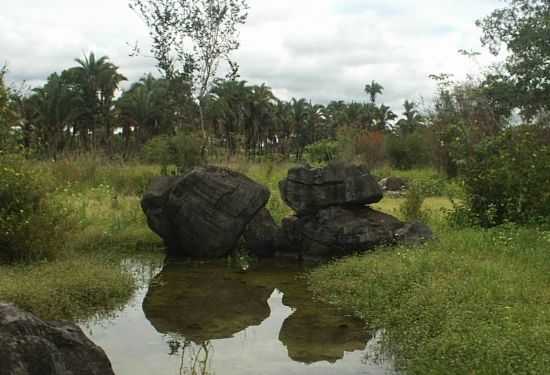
{"type": "Point", "coordinates": [7, 115]}
{"type": "Point", "coordinates": [144, 110]}
{"type": "Point", "coordinates": [384, 116]}
{"type": "Point", "coordinates": [191, 38]}
{"type": "Point", "coordinates": [97, 81]}
{"type": "Point", "coordinates": [522, 27]}
{"type": "Point", "coordinates": [412, 119]}
{"type": "Point", "coordinates": [55, 106]}
{"type": "Point", "coordinates": [373, 89]}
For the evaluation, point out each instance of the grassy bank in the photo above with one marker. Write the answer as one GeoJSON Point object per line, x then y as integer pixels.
{"type": "Point", "coordinates": [472, 302]}
{"type": "Point", "coordinates": [85, 275]}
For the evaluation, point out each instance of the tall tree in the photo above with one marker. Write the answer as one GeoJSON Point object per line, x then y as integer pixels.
{"type": "Point", "coordinates": [384, 115]}
{"type": "Point", "coordinates": [97, 81]}
{"type": "Point", "coordinates": [373, 89]}
{"type": "Point", "coordinates": [521, 27]}
{"type": "Point", "coordinates": [192, 37]}
{"type": "Point", "coordinates": [412, 119]}
{"type": "Point", "coordinates": [55, 108]}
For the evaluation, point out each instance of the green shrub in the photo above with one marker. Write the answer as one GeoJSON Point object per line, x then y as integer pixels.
{"type": "Point", "coordinates": [32, 226]}
{"type": "Point", "coordinates": [506, 178]}
{"type": "Point", "coordinates": [406, 152]}
{"type": "Point", "coordinates": [183, 150]}
{"type": "Point", "coordinates": [411, 208]}
{"type": "Point", "coordinates": [321, 152]}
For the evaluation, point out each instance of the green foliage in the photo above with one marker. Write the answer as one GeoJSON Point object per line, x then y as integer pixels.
{"type": "Point", "coordinates": [75, 288]}
{"type": "Point", "coordinates": [7, 117]}
{"type": "Point", "coordinates": [321, 152]}
{"type": "Point", "coordinates": [182, 150]}
{"type": "Point", "coordinates": [406, 152]}
{"type": "Point", "coordinates": [521, 27]}
{"type": "Point", "coordinates": [506, 178]}
{"type": "Point", "coordinates": [32, 225]}
{"type": "Point", "coordinates": [411, 208]}
{"type": "Point", "coordinates": [472, 302]}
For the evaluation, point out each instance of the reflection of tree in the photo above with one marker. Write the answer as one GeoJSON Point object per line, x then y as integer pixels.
{"type": "Point", "coordinates": [195, 359]}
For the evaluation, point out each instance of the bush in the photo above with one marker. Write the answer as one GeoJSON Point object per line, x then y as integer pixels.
{"type": "Point", "coordinates": [369, 148]}
{"type": "Point", "coordinates": [183, 150]}
{"type": "Point", "coordinates": [506, 178]}
{"type": "Point", "coordinates": [406, 152]}
{"type": "Point", "coordinates": [31, 226]}
{"type": "Point", "coordinates": [411, 208]}
{"type": "Point", "coordinates": [321, 152]}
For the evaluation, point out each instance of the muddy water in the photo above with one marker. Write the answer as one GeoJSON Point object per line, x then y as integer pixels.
{"type": "Point", "coordinates": [211, 318]}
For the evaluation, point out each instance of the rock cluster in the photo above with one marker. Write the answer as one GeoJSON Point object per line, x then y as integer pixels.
{"type": "Point", "coordinates": [30, 346]}
{"type": "Point", "coordinates": [210, 211]}
{"type": "Point", "coordinates": [332, 213]}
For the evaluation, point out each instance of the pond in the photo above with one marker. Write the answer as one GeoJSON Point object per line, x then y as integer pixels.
{"type": "Point", "coordinates": [192, 317]}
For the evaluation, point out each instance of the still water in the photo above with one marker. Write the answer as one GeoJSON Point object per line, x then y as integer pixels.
{"type": "Point", "coordinates": [210, 318]}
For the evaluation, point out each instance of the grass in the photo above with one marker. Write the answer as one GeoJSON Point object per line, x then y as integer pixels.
{"type": "Point", "coordinates": [472, 302]}
{"type": "Point", "coordinates": [74, 288]}
{"type": "Point", "coordinates": [431, 182]}
{"type": "Point", "coordinates": [87, 275]}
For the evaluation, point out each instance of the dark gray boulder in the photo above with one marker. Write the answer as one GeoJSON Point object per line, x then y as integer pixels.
{"type": "Point", "coordinates": [414, 233]}
{"type": "Point", "coordinates": [154, 203]}
{"type": "Point", "coordinates": [204, 213]}
{"type": "Point", "coordinates": [393, 184]}
{"type": "Point", "coordinates": [308, 189]}
{"type": "Point", "coordinates": [337, 231]}
{"type": "Point", "coordinates": [30, 346]}
{"type": "Point", "coordinates": [262, 235]}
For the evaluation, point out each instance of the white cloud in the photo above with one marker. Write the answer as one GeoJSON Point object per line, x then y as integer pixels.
{"type": "Point", "coordinates": [318, 49]}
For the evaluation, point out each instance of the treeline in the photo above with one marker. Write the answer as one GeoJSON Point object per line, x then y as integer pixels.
{"type": "Point", "coordinates": [78, 110]}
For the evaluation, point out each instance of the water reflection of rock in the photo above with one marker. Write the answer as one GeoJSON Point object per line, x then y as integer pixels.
{"type": "Point", "coordinates": [203, 301]}
{"type": "Point", "coordinates": [317, 332]}
{"type": "Point", "coordinates": [208, 301]}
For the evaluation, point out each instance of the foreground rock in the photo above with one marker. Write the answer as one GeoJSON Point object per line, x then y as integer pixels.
{"type": "Point", "coordinates": [204, 213]}
{"type": "Point", "coordinates": [307, 190]}
{"type": "Point", "coordinates": [338, 231]}
{"type": "Point", "coordinates": [30, 346]}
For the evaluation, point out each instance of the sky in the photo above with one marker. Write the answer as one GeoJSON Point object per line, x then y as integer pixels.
{"type": "Point", "coordinates": [321, 50]}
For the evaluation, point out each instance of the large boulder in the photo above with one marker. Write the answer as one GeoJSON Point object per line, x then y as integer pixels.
{"type": "Point", "coordinates": [30, 346]}
{"type": "Point", "coordinates": [262, 235]}
{"type": "Point", "coordinates": [307, 189]}
{"type": "Point", "coordinates": [204, 213]}
{"type": "Point", "coordinates": [154, 203]}
{"type": "Point", "coordinates": [337, 231]}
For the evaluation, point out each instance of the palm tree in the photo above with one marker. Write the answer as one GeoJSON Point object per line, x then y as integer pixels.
{"type": "Point", "coordinates": [55, 106]}
{"type": "Point", "coordinates": [98, 80]}
{"type": "Point", "coordinates": [227, 109]}
{"type": "Point", "coordinates": [373, 89]}
{"type": "Point", "coordinates": [412, 121]}
{"type": "Point", "coordinates": [260, 119]}
{"type": "Point", "coordinates": [142, 108]}
{"type": "Point", "coordinates": [384, 116]}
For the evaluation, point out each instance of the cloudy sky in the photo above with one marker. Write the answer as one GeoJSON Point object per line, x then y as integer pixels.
{"type": "Point", "coordinates": [318, 49]}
